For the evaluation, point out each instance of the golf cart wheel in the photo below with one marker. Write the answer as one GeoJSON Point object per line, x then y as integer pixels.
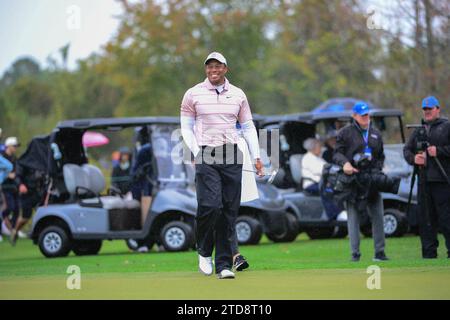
{"type": "Point", "coordinates": [177, 236]}
{"type": "Point", "coordinates": [395, 223]}
{"type": "Point", "coordinates": [135, 244]}
{"type": "Point", "coordinates": [290, 233]}
{"type": "Point", "coordinates": [54, 242]}
{"type": "Point", "coordinates": [320, 233]}
{"type": "Point", "coordinates": [86, 247]}
{"type": "Point", "coordinates": [248, 230]}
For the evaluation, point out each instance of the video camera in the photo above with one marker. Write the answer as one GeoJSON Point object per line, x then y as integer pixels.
{"type": "Point", "coordinates": [369, 177]}
{"type": "Point", "coordinates": [360, 186]}
{"type": "Point", "coordinates": [422, 138]}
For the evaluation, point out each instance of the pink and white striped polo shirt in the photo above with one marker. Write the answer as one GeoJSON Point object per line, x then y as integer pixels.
{"type": "Point", "coordinates": [216, 114]}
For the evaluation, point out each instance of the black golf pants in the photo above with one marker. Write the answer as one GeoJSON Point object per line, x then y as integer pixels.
{"type": "Point", "coordinates": [218, 187]}
{"type": "Point", "coordinates": [438, 202]}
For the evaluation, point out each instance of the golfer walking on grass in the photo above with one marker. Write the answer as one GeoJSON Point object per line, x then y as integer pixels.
{"type": "Point", "coordinates": [209, 112]}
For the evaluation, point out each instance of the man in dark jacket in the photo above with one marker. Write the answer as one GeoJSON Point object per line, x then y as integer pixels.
{"type": "Point", "coordinates": [11, 185]}
{"type": "Point", "coordinates": [31, 192]}
{"type": "Point", "coordinates": [361, 138]}
{"type": "Point", "coordinates": [434, 184]}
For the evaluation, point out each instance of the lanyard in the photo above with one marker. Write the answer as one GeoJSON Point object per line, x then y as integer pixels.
{"type": "Point", "coordinates": [366, 137]}
{"type": "Point", "coordinates": [367, 149]}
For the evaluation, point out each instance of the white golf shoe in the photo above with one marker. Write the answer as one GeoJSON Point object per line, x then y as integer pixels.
{"type": "Point", "coordinates": [225, 274]}
{"type": "Point", "coordinates": [143, 249]}
{"type": "Point", "coordinates": [342, 216]}
{"type": "Point", "coordinates": [205, 265]}
{"type": "Point", "coordinates": [5, 230]}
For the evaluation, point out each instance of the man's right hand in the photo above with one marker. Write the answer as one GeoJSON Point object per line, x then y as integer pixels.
{"type": "Point", "coordinates": [349, 169]}
{"type": "Point", "coordinates": [259, 167]}
{"type": "Point", "coordinates": [419, 159]}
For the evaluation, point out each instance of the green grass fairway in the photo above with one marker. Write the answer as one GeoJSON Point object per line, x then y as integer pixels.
{"type": "Point", "coordinates": [303, 269]}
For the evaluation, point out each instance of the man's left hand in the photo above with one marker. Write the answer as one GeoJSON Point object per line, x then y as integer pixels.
{"type": "Point", "coordinates": [432, 152]}
{"type": "Point", "coordinates": [259, 167]}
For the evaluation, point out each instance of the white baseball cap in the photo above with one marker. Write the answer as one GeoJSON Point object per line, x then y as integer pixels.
{"type": "Point", "coordinates": [12, 141]}
{"type": "Point", "coordinates": [217, 56]}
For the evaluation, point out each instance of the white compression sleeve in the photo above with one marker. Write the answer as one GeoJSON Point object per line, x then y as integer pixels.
{"type": "Point", "coordinates": [187, 131]}
{"type": "Point", "coordinates": [250, 135]}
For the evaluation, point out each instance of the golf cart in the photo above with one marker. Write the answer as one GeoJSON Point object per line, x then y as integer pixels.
{"type": "Point", "coordinates": [307, 208]}
{"type": "Point", "coordinates": [77, 215]}
{"type": "Point", "coordinates": [332, 115]}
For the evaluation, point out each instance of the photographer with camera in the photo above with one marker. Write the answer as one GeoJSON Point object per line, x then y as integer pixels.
{"type": "Point", "coordinates": [360, 143]}
{"type": "Point", "coordinates": [428, 149]}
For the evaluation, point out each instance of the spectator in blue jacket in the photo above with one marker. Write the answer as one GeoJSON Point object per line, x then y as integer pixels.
{"type": "Point", "coordinates": [5, 168]}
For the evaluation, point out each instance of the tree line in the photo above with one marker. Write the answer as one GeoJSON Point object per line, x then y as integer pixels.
{"type": "Point", "coordinates": [288, 56]}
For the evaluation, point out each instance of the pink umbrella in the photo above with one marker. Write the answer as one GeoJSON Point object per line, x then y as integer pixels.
{"type": "Point", "coordinates": [94, 139]}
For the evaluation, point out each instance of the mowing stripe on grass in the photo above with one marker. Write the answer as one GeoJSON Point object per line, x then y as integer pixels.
{"type": "Point", "coordinates": [407, 283]}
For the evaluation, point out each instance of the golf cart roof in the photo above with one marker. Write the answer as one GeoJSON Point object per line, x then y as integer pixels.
{"type": "Point", "coordinates": [348, 114]}
{"type": "Point", "coordinates": [336, 108]}
{"type": "Point", "coordinates": [98, 123]}
{"type": "Point", "coordinates": [258, 117]}
{"type": "Point", "coordinates": [301, 117]}
{"type": "Point", "coordinates": [311, 117]}
{"type": "Point", "coordinates": [340, 104]}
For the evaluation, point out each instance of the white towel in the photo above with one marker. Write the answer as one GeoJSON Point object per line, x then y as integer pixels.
{"type": "Point", "coordinates": [249, 190]}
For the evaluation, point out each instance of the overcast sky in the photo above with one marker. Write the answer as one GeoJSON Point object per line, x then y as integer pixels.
{"type": "Point", "coordinates": [39, 28]}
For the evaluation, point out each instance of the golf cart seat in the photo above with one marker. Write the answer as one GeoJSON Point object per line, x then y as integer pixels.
{"type": "Point", "coordinates": [295, 164]}
{"type": "Point", "coordinates": [88, 181]}
{"type": "Point", "coordinates": [97, 182]}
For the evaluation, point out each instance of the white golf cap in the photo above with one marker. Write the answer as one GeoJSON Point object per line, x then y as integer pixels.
{"type": "Point", "coordinates": [12, 141]}
{"type": "Point", "coordinates": [217, 56]}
